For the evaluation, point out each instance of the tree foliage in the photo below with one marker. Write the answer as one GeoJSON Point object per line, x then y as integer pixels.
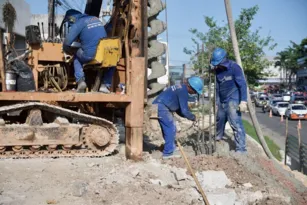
{"type": "Point", "coordinates": [251, 44]}
{"type": "Point", "coordinates": [9, 16]}
{"type": "Point", "coordinates": [287, 58]}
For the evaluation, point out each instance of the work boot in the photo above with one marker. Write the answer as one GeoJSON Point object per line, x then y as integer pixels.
{"type": "Point", "coordinates": [81, 86]}
{"type": "Point", "coordinates": [104, 89]}
{"type": "Point", "coordinates": [175, 154]}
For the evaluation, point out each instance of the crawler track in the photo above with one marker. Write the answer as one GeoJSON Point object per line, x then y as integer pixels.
{"type": "Point", "coordinates": [90, 137]}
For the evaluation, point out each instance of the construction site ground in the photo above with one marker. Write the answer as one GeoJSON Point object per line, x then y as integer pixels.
{"type": "Point", "coordinates": [226, 177]}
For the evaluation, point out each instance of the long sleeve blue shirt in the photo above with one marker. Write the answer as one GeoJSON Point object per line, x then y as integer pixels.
{"type": "Point", "coordinates": [230, 83]}
{"type": "Point", "coordinates": [89, 30]}
{"type": "Point", "coordinates": [175, 98]}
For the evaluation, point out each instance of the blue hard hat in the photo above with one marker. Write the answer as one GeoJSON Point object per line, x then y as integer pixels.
{"type": "Point", "coordinates": [218, 56]}
{"type": "Point", "coordinates": [70, 15]}
{"type": "Point", "coordinates": [196, 83]}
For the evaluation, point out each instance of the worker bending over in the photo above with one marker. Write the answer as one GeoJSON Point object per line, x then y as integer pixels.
{"type": "Point", "coordinates": [231, 97]}
{"type": "Point", "coordinates": [88, 30]}
{"type": "Point", "coordinates": [175, 99]}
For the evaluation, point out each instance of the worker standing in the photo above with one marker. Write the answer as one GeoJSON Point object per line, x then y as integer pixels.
{"type": "Point", "coordinates": [88, 30]}
{"type": "Point", "coordinates": [175, 99]}
{"type": "Point", "coordinates": [231, 97]}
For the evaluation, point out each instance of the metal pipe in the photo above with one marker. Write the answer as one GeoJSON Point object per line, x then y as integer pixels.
{"type": "Point", "coordinates": [49, 32]}
{"type": "Point", "coordinates": [55, 29]}
{"type": "Point", "coordinates": [215, 114]}
{"type": "Point", "coordinates": [53, 17]}
{"type": "Point", "coordinates": [43, 30]}
{"type": "Point", "coordinates": [39, 28]}
{"type": "Point", "coordinates": [210, 113]}
{"type": "Point", "coordinates": [287, 123]}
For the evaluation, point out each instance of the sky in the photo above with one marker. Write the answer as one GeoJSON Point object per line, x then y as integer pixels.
{"type": "Point", "coordinates": [284, 20]}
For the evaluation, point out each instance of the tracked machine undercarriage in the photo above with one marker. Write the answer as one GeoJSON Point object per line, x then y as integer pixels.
{"type": "Point", "coordinates": [52, 120]}
{"type": "Point", "coordinates": [83, 135]}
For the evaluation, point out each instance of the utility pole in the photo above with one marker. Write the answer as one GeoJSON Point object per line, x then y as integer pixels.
{"type": "Point", "coordinates": [238, 59]}
{"type": "Point", "coordinates": [51, 17]}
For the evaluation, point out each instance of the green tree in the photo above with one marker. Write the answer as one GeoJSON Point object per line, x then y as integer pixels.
{"type": "Point", "coordinates": [251, 45]}
{"type": "Point", "coordinates": [287, 58]}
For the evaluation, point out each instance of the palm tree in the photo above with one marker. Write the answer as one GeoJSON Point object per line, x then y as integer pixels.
{"type": "Point", "coordinates": [281, 61]}
{"type": "Point", "coordinates": [287, 59]}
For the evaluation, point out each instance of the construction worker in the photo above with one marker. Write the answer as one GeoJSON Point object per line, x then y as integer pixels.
{"type": "Point", "coordinates": [88, 30]}
{"type": "Point", "coordinates": [175, 99]}
{"type": "Point", "coordinates": [231, 97]}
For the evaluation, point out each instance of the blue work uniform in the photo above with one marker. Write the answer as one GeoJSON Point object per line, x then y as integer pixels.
{"type": "Point", "coordinates": [173, 99]}
{"type": "Point", "coordinates": [89, 30]}
{"type": "Point", "coordinates": [231, 89]}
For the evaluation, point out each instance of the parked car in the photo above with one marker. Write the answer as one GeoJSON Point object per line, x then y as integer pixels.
{"type": "Point", "coordinates": [276, 97]}
{"type": "Point", "coordinates": [296, 111]}
{"type": "Point", "coordinates": [260, 101]}
{"type": "Point", "coordinates": [280, 108]}
{"type": "Point", "coordinates": [286, 97]}
{"type": "Point", "coordinates": [261, 94]}
{"type": "Point", "coordinates": [298, 99]}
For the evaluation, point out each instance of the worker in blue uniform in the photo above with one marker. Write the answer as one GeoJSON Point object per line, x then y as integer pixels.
{"type": "Point", "coordinates": [175, 99]}
{"type": "Point", "coordinates": [88, 30]}
{"type": "Point", "coordinates": [231, 97]}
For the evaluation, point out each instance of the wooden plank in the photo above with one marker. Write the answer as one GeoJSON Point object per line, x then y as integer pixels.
{"type": "Point", "coordinates": [2, 72]}
{"type": "Point", "coordinates": [63, 97]}
{"type": "Point", "coordinates": [135, 111]}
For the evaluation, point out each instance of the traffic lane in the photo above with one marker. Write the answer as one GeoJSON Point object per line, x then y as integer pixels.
{"type": "Point", "coordinates": [279, 127]}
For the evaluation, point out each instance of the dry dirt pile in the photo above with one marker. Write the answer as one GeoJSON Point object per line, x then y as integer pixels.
{"type": "Point", "coordinates": [226, 177]}
{"type": "Point", "coordinates": [115, 181]}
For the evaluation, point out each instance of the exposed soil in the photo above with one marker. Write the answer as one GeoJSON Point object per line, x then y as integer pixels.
{"type": "Point", "coordinates": [114, 180]}
{"type": "Point", "coordinates": [265, 175]}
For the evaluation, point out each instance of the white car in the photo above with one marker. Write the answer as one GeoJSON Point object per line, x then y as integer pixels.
{"type": "Point", "coordinates": [286, 97]}
{"type": "Point", "coordinates": [280, 108]}
{"type": "Point", "coordinates": [277, 97]}
{"type": "Point", "coordinates": [296, 112]}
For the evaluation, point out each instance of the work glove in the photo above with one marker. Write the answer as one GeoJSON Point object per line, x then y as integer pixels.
{"type": "Point", "coordinates": [243, 106]}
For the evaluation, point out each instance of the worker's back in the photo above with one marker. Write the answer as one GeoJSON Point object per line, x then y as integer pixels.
{"type": "Point", "coordinates": [89, 30]}
{"type": "Point", "coordinates": [92, 32]}
{"type": "Point", "coordinates": [170, 97]}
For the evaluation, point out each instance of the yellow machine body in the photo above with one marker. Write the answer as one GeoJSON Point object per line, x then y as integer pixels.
{"type": "Point", "coordinates": [108, 52]}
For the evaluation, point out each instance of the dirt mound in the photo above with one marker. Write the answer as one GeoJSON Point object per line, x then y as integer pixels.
{"type": "Point", "coordinates": [274, 184]}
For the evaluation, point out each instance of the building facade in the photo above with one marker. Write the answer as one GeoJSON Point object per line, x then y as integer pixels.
{"type": "Point", "coordinates": [277, 74]}
{"type": "Point", "coordinates": [301, 75]}
{"type": "Point", "coordinates": [177, 74]}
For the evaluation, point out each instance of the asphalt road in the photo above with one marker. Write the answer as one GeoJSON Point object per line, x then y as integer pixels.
{"type": "Point", "coordinates": [276, 130]}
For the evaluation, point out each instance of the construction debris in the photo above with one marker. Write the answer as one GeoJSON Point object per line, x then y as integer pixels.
{"type": "Point", "coordinates": [251, 179]}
